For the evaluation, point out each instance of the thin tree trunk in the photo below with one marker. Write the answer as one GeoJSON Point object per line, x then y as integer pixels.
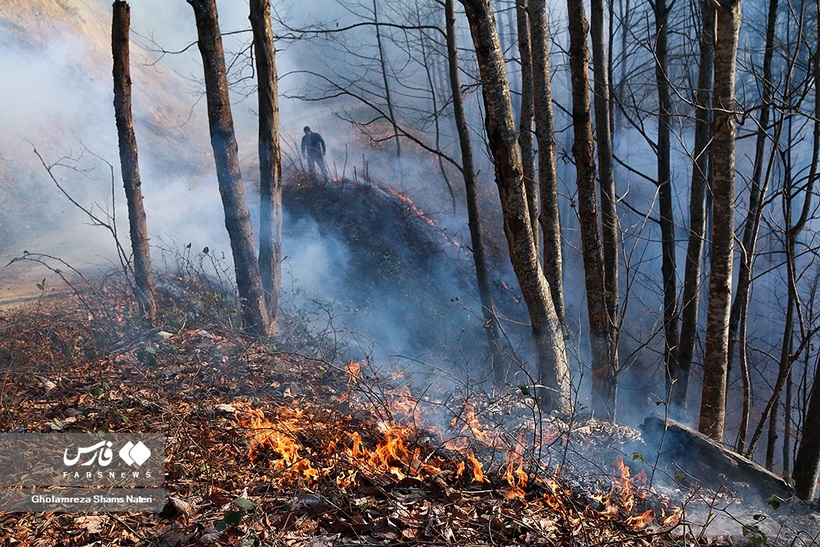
{"type": "Point", "coordinates": [551, 357]}
{"type": "Point", "coordinates": [129, 161]}
{"type": "Point", "coordinates": [429, 65]}
{"type": "Point", "coordinates": [386, 80]}
{"type": "Point", "coordinates": [759, 186]}
{"type": "Point", "coordinates": [226, 156]}
{"type": "Point", "coordinates": [549, 217]}
{"type": "Point", "coordinates": [604, 380]}
{"type": "Point", "coordinates": [697, 216]}
{"type": "Point", "coordinates": [715, 362]}
{"type": "Point", "coordinates": [606, 177]}
{"type": "Point", "coordinates": [792, 231]}
{"type": "Point", "coordinates": [473, 210]}
{"type": "Point", "coordinates": [787, 426]}
{"type": "Point", "coordinates": [807, 462]}
{"type": "Point", "coordinates": [665, 193]}
{"type": "Point", "coordinates": [527, 114]}
{"type": "Point", "coordinates": [270, 160]}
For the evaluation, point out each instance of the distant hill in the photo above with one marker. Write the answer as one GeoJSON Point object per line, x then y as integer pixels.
{"type": "Point", "coordinates": [57, 96]}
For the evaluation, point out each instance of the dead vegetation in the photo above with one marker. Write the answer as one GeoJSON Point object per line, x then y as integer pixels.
{"type": "Point", "coordinates": [272, 446]}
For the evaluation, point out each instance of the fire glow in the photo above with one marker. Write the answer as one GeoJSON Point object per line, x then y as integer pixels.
{"type": "Point", "coordinates": [302, 449]}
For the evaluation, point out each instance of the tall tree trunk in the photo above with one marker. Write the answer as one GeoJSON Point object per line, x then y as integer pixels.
{"type": "Point", "coordinates": [549, 218]}
{"type": "Point", "coordinates": [226, 152]}
{"type": "Point", "coordinates": [697, 216]}
{"type": "Point", "coordinates": [129, 161]}
{"type": "Point", "coordinates": [473, 210]}
{"type": "Point", "coordinates": [792, 231]}
{"type": "Point", "coordinates": [759, 186]}
{"type": "Point", "coordinates": [604, 380]}
{"type": "Point", "coordinates": [270, 160]}
{"type": "Point", "coordinates": [715, 362]}
{"type": "Point", "coordinates": [606, 176]}
{"type": "Point", "coordinates": [665, 192]}
{"type": "Point", "coordinates": [527, 114]}
{"type": "Point", "coordinates": [551, 357]}
{"type": "Point", "coordinates": [807, 462]}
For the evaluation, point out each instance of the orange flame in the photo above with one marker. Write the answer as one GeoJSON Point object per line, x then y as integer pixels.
{"type": "Point", "coordinates": [392, 453]}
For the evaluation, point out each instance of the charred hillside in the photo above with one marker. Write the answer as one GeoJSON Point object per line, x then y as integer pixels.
{"type": "Point", "coordinates": [398, 279]}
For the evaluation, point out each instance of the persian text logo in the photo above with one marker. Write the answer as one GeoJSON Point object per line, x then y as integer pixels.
{"type": "Point", "coordinates": [101, 453]}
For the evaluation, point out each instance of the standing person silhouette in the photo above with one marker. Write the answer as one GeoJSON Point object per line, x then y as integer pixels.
{"type": "Point", "coordinates": [313, 149]}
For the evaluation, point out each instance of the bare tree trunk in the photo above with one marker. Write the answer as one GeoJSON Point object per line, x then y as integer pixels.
{"type": "Point", "coordinates": [387, 95]}
{"type": "Point", "coordinates": [787, 425]}
{"type": "Point", "coordinates": [665, 192]}
{"type": "Point", "coordinates": [270, 160]}
{"type": "Point", "coordinates": [697, 216]}
{"type": "Point", "coordinates": [759, 186]}
{"type": "Point", "coordinates": [790, 193]}
{"type": "Point", "coordinates": [226, 152]}
{"type": "Point", "coordinates": [551, 357]}
{"type": "Point", "coordinates": [604, 380]}
{"type": "Point", "coordinates": [606, 176]}
{"type": "Point", "coordinates": [430, 64]}
{"type": "Point", "coordinates": [807, 462]}
{"type": "Point", "coordinates": [527, 115]}
{"type": "Point", "coordinates": [549, 218]}
{"type": "Point", "coordinates": [129, 162]}
{"type": "Point", "coordinates": [715, 362]}
{"type": "Point", "coordinates": [473, 211]}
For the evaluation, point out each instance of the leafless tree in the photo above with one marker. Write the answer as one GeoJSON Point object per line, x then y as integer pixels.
{"type": "Point", "coordinates": [604, 380]}
{"type": "Point", "coordinates": [606, 178]}
{"type": "Point", "coordinates": [549, 217]}
{"type": "Point", "coordinates": [231, 188]}
{"type": "Point", "coordinates": [473, 210]}
{"type": "Point", "coordinates": [679, 377]}
{"type": "Point", "coordinates": [270, 159]}
{"type": "Point", "coordinates": [715, 362]}
{"type": "Point", "coordinates": [807, 463]}
{"type": "Point", "coordinates": [551, 358]}
{"type": "Point", "coordinates": [129, 161]}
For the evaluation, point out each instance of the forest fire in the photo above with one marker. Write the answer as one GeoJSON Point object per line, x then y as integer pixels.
{"type": "Point", "coordinates": [300, 448]}
{"type": "Point", "coordinates": [411, 205]}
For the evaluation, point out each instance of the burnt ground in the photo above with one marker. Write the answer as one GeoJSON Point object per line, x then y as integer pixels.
{"type": "Point", "coordinates": [227, 407]}
{"type": "Point", "coordinates": [400, 280]}
{"type": "Point", "coordinates": [80, 362]}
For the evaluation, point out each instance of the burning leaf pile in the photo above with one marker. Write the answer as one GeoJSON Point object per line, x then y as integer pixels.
{"type": "Point", "coordinates": [278, 448]}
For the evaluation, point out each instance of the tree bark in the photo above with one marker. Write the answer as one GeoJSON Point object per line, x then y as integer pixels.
{"type": "Point", "coordinates": [226, 152]}
{"type": "Point", "coordinates": [697, 216]}
{"type": "Point", "coordinates": [551, 358]}
{"type": "Point", "coordinates": [759, 186]}
{"type": "Point", "coordinates": [665, 192]}
{"type": "Point", "coordinates": [604, 378]}
{"type": "Point", "coordinates": [129, 161]}
{"type": "Point", "coordinates": [606, 177]}
{"type": "Point", "coordinates": [807, 463]}
{"type": "Point", "coordinates": [549, 218]}
{"type": "Point", "coordinates": [270, 160]}
{"type": "Point", "coordinates": [715, 362]}
{"type": "Point", "coordinates": [473, 210]}
{"type": "Point", "coordinates": [527, 115]}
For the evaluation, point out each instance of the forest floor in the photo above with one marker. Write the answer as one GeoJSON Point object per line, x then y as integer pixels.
{"type": "Point", "coordinates": [267, 443]}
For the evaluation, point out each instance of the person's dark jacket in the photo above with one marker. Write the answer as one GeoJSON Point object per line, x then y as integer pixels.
{"type": "Point", "coordinates": [313, 145]}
